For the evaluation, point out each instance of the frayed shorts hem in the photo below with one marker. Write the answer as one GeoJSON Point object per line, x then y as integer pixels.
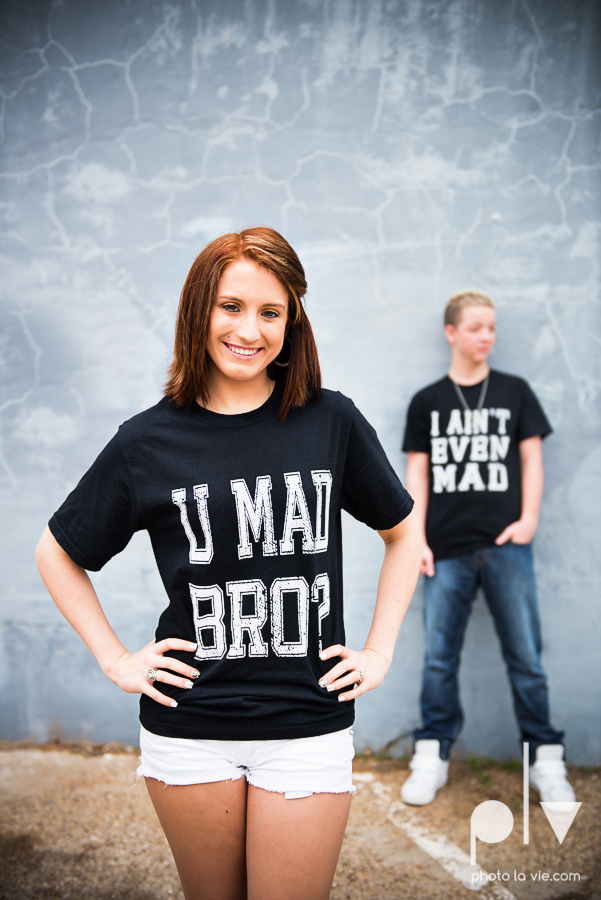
{"type": "Point", "coordinates": [297, 768]}
{"type": "Point", "coordinates": [289, 795]}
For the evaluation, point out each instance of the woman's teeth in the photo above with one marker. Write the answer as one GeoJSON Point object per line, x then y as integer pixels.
{"type": "Point", "coordinates": [241, 351]}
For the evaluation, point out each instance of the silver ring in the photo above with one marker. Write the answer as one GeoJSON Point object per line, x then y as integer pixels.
{"type": "Point", "coordinates": [151, 675]}
{"type": "Point", "coordinates": [361, 676]}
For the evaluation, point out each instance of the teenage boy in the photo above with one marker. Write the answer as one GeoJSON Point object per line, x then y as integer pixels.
{"type": "Point", "coordinates": [475, 471]}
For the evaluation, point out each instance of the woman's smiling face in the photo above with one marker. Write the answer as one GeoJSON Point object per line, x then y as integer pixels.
{"type": "Point", "coordinates": [248, 321]}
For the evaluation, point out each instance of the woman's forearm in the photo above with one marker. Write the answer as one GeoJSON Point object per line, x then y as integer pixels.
{"type": "Point", "coordinates": [71, 589]}
{"type": "Point", "coordinates": [396, 584]}
{"type": "Point", "coordinates": [398, 577]}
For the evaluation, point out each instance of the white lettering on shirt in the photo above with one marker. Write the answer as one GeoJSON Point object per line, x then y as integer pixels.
{"type": "Point", "coordinates": [480, 421]}
{"type": "Point", "coordinates": [211, 622]}
{"type": "Point", "coordinates": [293, 521]}
{"type": "Point", "coordinates": [497, 477]}
{"type": "Point", "coordinates": [498, 447]}
{"type": "Point", "coordinates": [471, 478]}
{"type": "Point", "coordinates": [321, 585]}
{"type": "Point", "coordinates": [290, 599]}
{"type": "Point", "coordinates": [201, 493]}
{"type": "Point", "coordinates": [299, 589]}
{"type": "Point", "coordinates": [502, 415]}
{"type": "Point", "coordinates": [479, 451]}
{"type": "Point", "coordinates": [455, 425]}
{"type": "Point", "coordinates": [257, 514]}
{"type": "Point", "coordinates": [482, 449]}
{"type": "Point", "coordinates": [322, 478]}
{"type": "Point", "coordinates": [439, 450]}
{"type": "Point", "coordinates": [458, 447]}
{"type": "Point", "coordinates": [444, 477]}
{"type": "Point", "coordinates": [251, 623]}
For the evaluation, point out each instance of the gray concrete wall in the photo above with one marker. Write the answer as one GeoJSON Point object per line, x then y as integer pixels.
{"type": "Point", "coordinates": [406, 149]}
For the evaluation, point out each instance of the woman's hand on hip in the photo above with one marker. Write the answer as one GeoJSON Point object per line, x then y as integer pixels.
{"type": "Point", "coordinates": [130, 670]}
{"type": "Point", "coordinates": [353, 664]}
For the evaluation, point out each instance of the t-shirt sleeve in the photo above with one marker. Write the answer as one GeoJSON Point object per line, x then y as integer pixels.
{"type": "Point", "coordinates": [417, 428]}
{"type": "Point", "coordinates": [99, 517]}
{"type": "Point", "coordinates": [532, 421]}
{"type": "Point", "coordinates": [371, 489]}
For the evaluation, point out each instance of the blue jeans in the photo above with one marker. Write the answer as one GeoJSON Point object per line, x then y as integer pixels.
{"type": "Point", "coordinates": [506, 575]}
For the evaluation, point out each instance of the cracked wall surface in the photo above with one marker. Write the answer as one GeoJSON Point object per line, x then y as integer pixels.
{"type": "Point", "coordinates": [406, 149]}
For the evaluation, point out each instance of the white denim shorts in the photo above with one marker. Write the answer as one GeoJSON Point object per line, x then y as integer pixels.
{"type": "Point", "coordinates": [296, 768]}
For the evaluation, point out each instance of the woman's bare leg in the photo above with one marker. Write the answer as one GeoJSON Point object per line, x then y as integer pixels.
{"type": "Point", "coordinates": [292, 846]}
{"type": "Point", "coordinates": [205, 825]}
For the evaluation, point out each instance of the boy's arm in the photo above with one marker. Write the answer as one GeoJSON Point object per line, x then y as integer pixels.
{"type": "Point", "coordinates": [533, 477]}
{"type": "Point", "coordinates": [418, 485]}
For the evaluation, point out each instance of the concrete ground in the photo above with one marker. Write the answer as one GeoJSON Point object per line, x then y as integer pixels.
{"type": "Point", "coordinates": [75, 826]}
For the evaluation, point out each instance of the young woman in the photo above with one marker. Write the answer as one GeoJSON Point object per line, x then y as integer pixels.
{"type": "Point", "coordinates": [239, 474]}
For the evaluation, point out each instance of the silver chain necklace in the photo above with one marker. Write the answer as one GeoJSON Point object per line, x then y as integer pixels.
{"type": "Point", "coordinates": [481, 398]}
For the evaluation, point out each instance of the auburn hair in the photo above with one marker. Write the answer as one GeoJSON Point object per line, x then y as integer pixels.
{"type": "Point", "coordinates": [187, 379]}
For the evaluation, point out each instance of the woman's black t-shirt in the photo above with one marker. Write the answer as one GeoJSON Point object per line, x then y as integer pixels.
{"type": "Point", "coordinates": [243, 513]}
{"type": "Point", "coordinates": [475, 472]}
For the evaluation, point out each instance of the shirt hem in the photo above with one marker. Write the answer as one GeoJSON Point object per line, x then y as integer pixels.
{"type": "Point", "coordinates": [252, 734]}
{"type": "Point", "coordinates": [465, 551]}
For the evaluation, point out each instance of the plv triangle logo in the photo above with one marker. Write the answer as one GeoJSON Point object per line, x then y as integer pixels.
{"type": "Point", "coordinates": [560, 814]}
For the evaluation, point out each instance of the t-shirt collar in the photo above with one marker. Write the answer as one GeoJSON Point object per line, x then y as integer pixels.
{"type": "Point", "coordinates": [267, 410]}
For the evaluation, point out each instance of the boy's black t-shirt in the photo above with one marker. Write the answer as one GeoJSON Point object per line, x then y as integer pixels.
{"type": "Point", "coordinates": [243, 513]}
{"type": "Point", "coordinates": [475, 472]}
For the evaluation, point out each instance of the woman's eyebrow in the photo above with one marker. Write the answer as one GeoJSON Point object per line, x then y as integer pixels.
{"type": "Point", "coordinates": [275, 303]}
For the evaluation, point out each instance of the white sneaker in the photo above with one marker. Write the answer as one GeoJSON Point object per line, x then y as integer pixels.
{"type": "Point", "coordinates": [548, 775]}
{"type": "Point", "coordinates": [428, 774]}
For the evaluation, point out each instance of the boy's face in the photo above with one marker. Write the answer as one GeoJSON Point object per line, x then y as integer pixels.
{"type": "Point", "coordinates": [474, 335]}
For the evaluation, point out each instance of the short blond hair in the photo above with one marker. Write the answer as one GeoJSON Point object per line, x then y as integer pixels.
{"type": "Point", "coordinates": [461, 301]}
